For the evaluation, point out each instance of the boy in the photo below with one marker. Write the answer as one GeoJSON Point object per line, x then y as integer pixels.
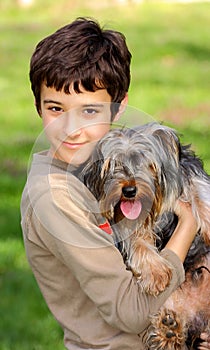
{"type": "Point", "coordinates": [76, 74]}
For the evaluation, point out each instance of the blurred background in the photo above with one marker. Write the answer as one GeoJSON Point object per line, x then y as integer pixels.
{"type": "Point", "coordinates": [169, 41]}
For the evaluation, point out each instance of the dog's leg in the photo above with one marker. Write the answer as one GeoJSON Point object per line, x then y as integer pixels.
{"type": "Point", "coordinates": [149, 267]}
{"type": "Point", "coordinates": [167, 331]}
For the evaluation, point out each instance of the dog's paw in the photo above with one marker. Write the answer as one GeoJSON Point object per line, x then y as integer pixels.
{"type": "Point", "coordinates": [166, 332]}
{"type": "Point", "coordinates": [154, 276]}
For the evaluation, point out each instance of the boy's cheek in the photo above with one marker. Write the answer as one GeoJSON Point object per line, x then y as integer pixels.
{"type": "Point", "coordinates": [52, 125]}
{"type": "Point", "coordinates": [100, 130]}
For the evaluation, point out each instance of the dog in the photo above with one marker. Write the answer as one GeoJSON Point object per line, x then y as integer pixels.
{"type": "Point", "coordinates": [137, 175]}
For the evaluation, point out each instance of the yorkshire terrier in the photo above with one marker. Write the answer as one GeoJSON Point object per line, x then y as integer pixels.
{"type": "Point", "coordinates": [137, 175]}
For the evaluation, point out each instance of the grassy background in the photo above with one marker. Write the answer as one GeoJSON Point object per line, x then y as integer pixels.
{"type": "Point", "coordinates": [170, 81]}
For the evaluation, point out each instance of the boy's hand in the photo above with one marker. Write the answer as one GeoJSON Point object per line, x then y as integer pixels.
{"type": "Point", "coordinates": [185, 215]}
{"type": "Point", "coordinates": [206, 341]}
{"type": "Point", "coordinates": [185, 231]}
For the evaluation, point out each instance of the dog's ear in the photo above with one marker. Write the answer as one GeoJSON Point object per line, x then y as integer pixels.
{"type": "Point", "coordinates": [168, 152]}
{"type": "Point", "coordinates": [92, 173]}
{"type": "Point", "coordinates": [105, 168]}
{"type": "Point", "coordinates": [168, 140]}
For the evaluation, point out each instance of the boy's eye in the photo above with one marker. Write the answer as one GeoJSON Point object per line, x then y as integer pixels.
{"type": "Point", "coordinates": [55, 109]}
{"type": "Point", "coordinates": [90, 111]}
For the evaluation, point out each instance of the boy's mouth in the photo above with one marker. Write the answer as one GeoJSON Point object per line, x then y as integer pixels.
{"type": "Point", "coordinates": [73, 145]}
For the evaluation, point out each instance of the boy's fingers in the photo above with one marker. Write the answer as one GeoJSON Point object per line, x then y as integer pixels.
{"type": "Point", "coordinates": [205, 337]}
{"type": "Point", "coordinates": [205, 345]}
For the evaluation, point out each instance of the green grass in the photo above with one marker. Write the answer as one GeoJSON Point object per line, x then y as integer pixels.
{"type": "Point", "coordinates": [170, 81]}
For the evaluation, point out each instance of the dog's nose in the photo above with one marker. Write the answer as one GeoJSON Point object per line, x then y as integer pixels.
{"type": "Point", "coordinates": [129, 191]}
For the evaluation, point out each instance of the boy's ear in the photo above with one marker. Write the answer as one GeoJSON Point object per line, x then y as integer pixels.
{"type": "Point", "coordinates": [122, 108]}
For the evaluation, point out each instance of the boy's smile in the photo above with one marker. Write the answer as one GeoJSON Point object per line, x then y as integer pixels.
{"type": "Point", "coordinates": [74, 122]}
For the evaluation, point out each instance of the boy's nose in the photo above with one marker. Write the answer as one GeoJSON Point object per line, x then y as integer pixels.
{"type": "Point", "coordinates": [72, 125]}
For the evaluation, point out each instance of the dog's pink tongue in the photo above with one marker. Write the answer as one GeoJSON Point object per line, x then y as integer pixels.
{"type": "Point", "coordinates": [130, 210]}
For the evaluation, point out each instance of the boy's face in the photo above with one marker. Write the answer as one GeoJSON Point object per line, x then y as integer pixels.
{"type": "Point", "coordinates": [74, 122]}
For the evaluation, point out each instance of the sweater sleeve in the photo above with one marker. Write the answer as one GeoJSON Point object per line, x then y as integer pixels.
{"type": "Point", "coordinates": [71, 233]}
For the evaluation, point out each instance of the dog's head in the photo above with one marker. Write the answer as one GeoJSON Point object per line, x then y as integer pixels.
{"type": "Point", "coordinates": [134, 173]}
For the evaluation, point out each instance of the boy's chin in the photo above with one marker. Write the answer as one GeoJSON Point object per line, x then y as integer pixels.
{"type": "Point", "coordinates": [75, 158]}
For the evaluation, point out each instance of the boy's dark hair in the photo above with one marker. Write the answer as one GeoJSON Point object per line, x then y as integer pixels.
{"type": "Point", "coordinates": [82, 53]}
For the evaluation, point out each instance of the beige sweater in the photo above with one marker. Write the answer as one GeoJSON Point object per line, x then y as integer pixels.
{"type": "Point", "coordinates": [79, 270]}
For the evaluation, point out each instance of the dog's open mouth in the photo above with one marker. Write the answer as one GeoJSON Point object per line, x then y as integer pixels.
{"type": "Point", "coordinates": [131, 209]}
